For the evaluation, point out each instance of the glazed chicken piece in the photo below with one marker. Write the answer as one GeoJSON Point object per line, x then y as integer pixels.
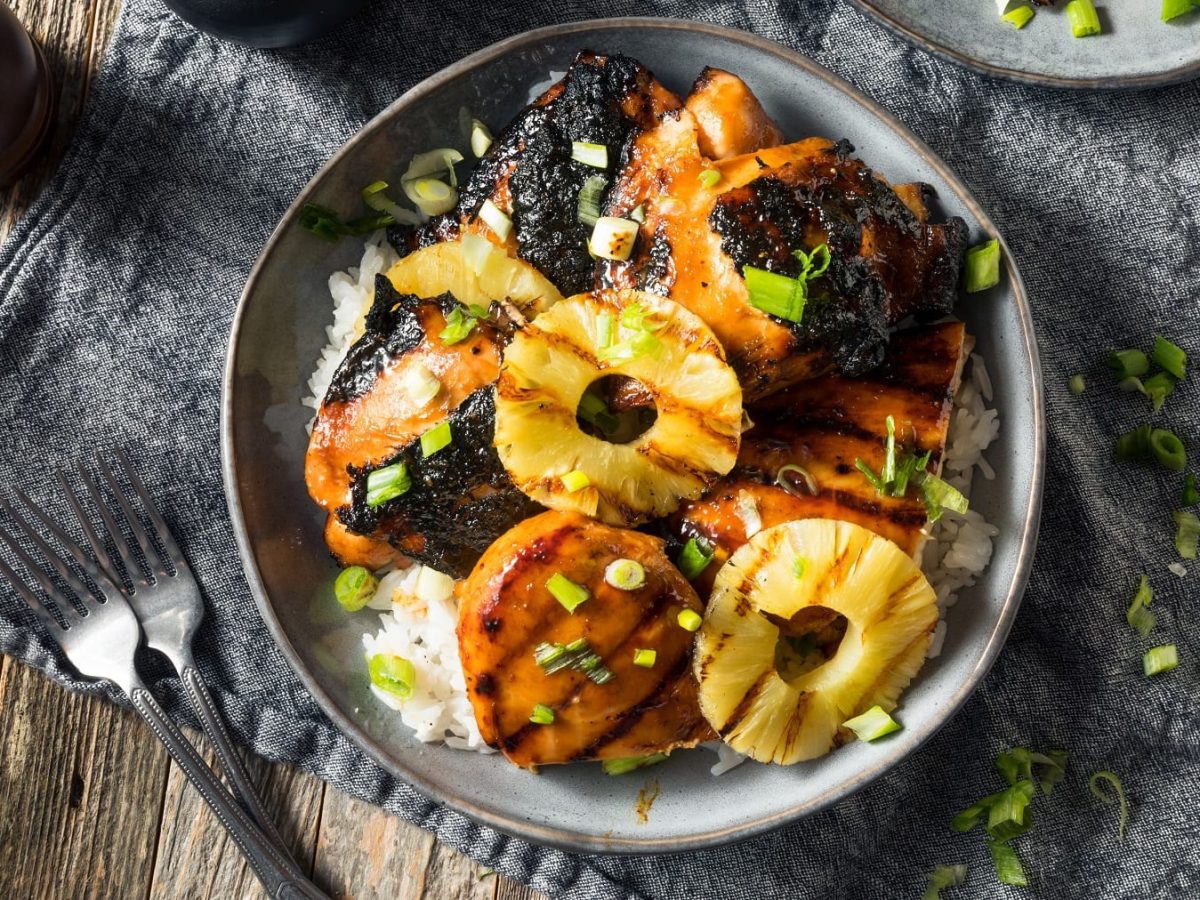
{"type": "Point", "coordinates": [529, 172]}
{"type": "Point", "coordinates": [507, 613]}
{"type": "Point", "coordinates": [461, 497]}
{"type": "Point", "coordinates": [887, 262]}
{"type": "Point", "coordinates": [825, 425]}
{"type": "Point", "coordinates": [729, 119]}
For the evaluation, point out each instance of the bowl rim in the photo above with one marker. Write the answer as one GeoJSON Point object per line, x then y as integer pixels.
{"type": "Point", "coordinates": [569, 840]}
{"type": "Point", "coordinates": [1177, 75]}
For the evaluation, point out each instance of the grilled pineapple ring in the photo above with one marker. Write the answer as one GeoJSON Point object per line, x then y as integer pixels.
{"type": "Point", "coordinates": [890, 610]}
{"type": "Point", "coordinates": [548, 366]}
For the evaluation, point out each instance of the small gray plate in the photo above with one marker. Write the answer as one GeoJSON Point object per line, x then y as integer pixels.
{"type": "Point", "coordinates": [279, 330]}
{"type": "Point", "coordinates": [1136, 49]}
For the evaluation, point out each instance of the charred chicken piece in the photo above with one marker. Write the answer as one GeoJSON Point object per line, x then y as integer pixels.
{"type": "Point", "coordinates": [508, 612]}
{"type": "Point", "coordinates": [729, 119]}
{"type": "Point", "coordinates": [825, 425]}
{"type": "Point", "coordinates": [529, 172]}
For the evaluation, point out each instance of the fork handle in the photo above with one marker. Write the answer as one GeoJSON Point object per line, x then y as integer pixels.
{"type": "Point", "coordinates": [281, 881]}
{"type": "Point", "coordinates": [231, 761]}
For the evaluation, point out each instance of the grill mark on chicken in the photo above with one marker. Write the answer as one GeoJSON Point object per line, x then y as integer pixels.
{"type": "Point", "coordinates": [632, 716]}
{"type": "Point", "coordinates": [461, 497]}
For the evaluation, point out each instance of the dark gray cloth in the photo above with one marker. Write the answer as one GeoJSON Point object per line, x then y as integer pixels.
{"type": "Point", "coordinates": [118, 288]}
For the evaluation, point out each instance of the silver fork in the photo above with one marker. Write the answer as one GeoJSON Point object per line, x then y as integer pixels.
{"type": "Point", "coordinates": [166, 598]}
{"type": "Point", "coordinates": [100, 638]}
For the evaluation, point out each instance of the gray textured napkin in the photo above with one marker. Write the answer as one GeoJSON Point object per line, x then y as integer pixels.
{"type": "Point", "coordinates": [117, 290]}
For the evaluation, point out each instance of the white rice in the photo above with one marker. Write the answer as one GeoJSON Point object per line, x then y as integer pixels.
{"type": "Point", "coordinates": [421, 628]}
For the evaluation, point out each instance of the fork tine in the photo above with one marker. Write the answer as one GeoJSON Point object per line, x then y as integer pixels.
{"type": "Point", "coordinates": [57, 562]}
{"type": "Point", "coordinates": [31, 599]}
{"type": "Point", "coordinates": [48, 587]}
{"type": "Point", "coordinates": [114, 532]}
{"type": "Point", "coordinates": [149, 553]}
{"type": "Point", "coordinates": [98, 574]}
{"type": "Point", "coordinates": [163, 532]}
{"type": "Point", "coordinates": [102, 558]}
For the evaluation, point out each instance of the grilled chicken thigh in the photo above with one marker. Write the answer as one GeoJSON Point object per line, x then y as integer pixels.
{"type": "Point", "coordinates": [825, 425]}
{"type": "Point", "coordinates": [507, 612]}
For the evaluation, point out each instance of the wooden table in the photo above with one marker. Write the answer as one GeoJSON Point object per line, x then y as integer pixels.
{"type": "Point", "coordinates": [90, 804]}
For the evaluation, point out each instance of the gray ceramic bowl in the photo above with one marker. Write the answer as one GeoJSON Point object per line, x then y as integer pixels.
{"type": "Point", "coordinates": [1136, 49]}
{"type": "Point", "coordinates": [279, 331]}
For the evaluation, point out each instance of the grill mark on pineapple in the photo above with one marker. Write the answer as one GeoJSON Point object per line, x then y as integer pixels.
{"type": "Point", "coordinates": [747, 701]}
{"type": "Point", "coordinates": [889, 669]}
{"type": "Point", "coordinates": [791, 731]}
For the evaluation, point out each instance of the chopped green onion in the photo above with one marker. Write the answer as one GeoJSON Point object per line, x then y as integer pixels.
{"type": "Point", "coordinates": [481, 138]}
{"type": "Point", "coordinates": [576, 655]}
{"type": "Point", "coordinates": [709, 178]}
{"type": "Point", "coordinates": [1019, 17]}
{"type": "Point", "coordinates": [643, 343]}
{"type": "Point", "coordinates": [1134, 444]}
{"type": "Point", "coordinates": [625, 574]}
{"type": "Point", "coordinates": [1160, 659]}
{"type": "Point", "coordinates": [566, 591]}
{"type": "Point", "coordinates": [629, 763]}
{"type": "Point", "coordinates": [689, 620]}
{"type": "Point", "coordinates": [872, 725]}
{"type": "Point", "coordinates": [799, 566]}
{"type": "Point", "coordinates": [888, 473]}
{"type": "Point", "coordinates": [542, 715]}
{"type": "Point", "coordinates": [1009, 816]}
{"type": "Point", "coordinates": [869, 474]}
{"type": "Point", "coordinates": [645, 658]}
{"type": "Point", "coordinates": [943, 877]}
{"type": "Point", "coordinates": [354, 587]}
{"type": "Point", "coordinates": [436, 438]}
{"type": "Point", "coordinates": [1081, 14]}
{"type": "Point", "coordinates": [973, 814]}
{"type": "Point", "coordinates": [604, 331]}
{"type": "Point", "coordinates": [1008, 866]}
{"type": "Point", "coordinates": [1018, 764]}
{"type": "Point", "coordinates": [496, 219]}
{"type": "Point", "coordinates": [587, 210]}
{"type": "Point", "coordinates": [594, 155]}
{"type": "Point", "coordinates": [1169, 357]}
{"type": "Point", "coordinates": [697, 553]}
{"type": "Point", "coordinates": [593, 410]}
{"type": "Point", "coordinates": [1168, 450]}
{"type": "Point", "coordinates": [639, 213]}
{"type": "Point", "coordinates": [810, 267]}
{"type": "Point", "coordinates": [1191, 496]}
{"type": "Point", "coordinates": [387, 484]}
{"type": "Point", "coordinates": [324, 223]}
{"type": "Point", "coordinates": [575, 480]}
{"type": "Point", "coordinates": [613, 238]}
{"type": "Point", "coordinates": [1100, 794]}
{"type": "Point", "coordinates": [1158, 388]}
{"type": "Point", "coordinates": [1173, 9]}
{"type": "Point", "coordinates": [635, 316]}
{"type": "Point", "coordinates": [461, 322]}
{"type": "Point", "coordinates": [433, 162]}
{"type": "Point", "coordinates": [775, 294]}
{"type": "Point", "coordinates": [393, 674]}
{"type": "Point", "coordinates": [420, 384]}
{"type": "Point", "coordinates": [940, 495]}
{"type": "Point", "coordinates": [1076, 384]}
{"type": "Point", "coordinates": [983, 266]}
{"type": "Point", "coordinates": [1187, 534]}
{"type": "Point", "coordinates": [373, 195]}
{"type": "Point", "coordinates": [1128, 363]}
{"type": "Point", "coordinates": [782, 479]}
{"type": "Point", "coordinates": [1138, 615]}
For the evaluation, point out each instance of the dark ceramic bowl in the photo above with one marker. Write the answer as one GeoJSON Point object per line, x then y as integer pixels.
{"type": "Point", "coordinates": [279, 330]}
{"type": "Point", "coordinates": [1136, 50]}
{"type": "Point", "coordinates": [265, 23]}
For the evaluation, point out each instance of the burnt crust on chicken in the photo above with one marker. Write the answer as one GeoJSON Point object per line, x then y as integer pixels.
{"type": "Point", "coordinates": [909, 268]}
{"type": "Point", "coordinates": [392, 328]}
{"type": "Point", "coordinates": [461, 497]}
{"type": "Point", "coordinates": [601, 99]}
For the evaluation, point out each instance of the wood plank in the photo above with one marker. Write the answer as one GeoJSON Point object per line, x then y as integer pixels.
{"type": "Point", "coordinates": [197, 858]}
{"type": "Point", "coordinates": [73, 34]}
{"type": "Point", "coordinates": [81, 787]}
{"type": "Point", "coordinates": [363, 852]}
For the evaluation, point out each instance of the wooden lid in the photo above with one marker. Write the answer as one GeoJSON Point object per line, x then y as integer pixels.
{"type": "Point", "coordinates": [27, 101]}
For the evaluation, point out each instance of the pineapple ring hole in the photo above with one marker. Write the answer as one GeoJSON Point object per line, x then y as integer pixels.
{"type": "Point", "coordinates": [807, 640]}
{"type": "Point", "coordinates": [628, 409]}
